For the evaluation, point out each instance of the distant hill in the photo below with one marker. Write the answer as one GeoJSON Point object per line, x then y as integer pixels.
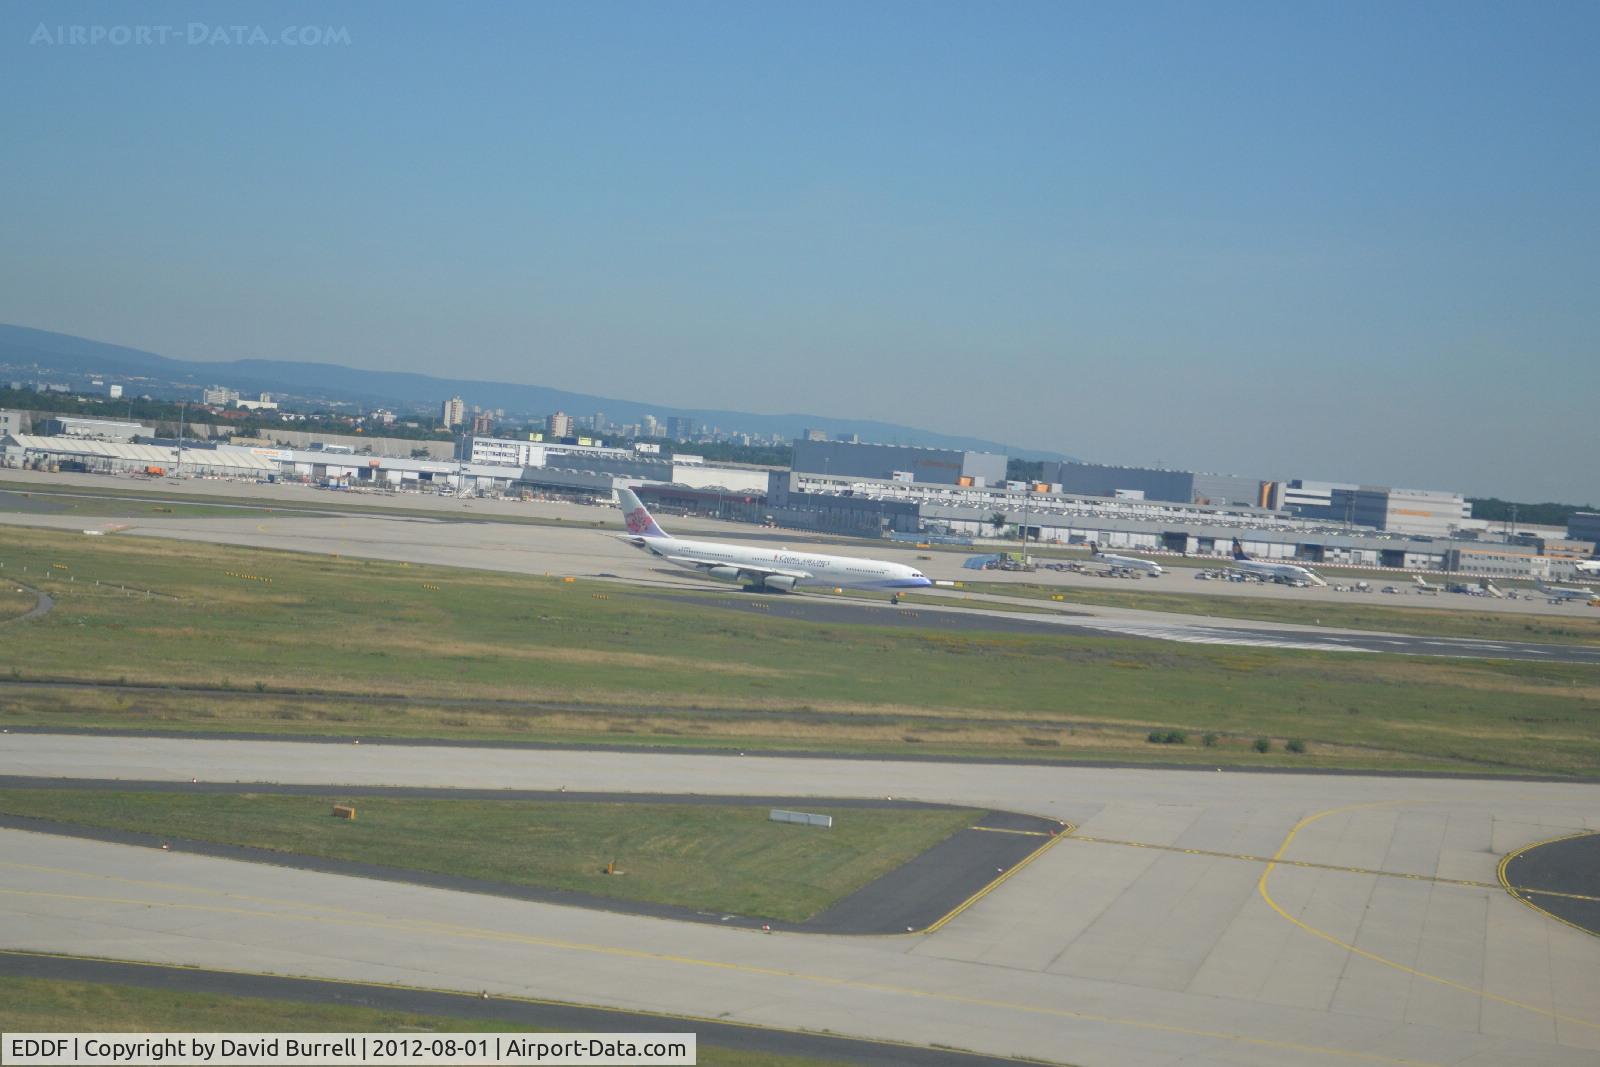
{"type": "Point", "coordinates": [75, 358]}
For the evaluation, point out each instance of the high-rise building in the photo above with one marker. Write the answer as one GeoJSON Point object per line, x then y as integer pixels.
{"type": "Point", "coordinates": [453, 412]}
{"type": "Point", "coordinates": [482, 424]}
{"type": "Point", "coordinates": [219, 395]}
{"type": "Point", "coordinates": [559, 425]}
{"type": "Point", "coordinates": [649, 427]}
{"type": "Point", "coordinates": [679, 428]}
{"type": "Point", "coordinates": [599, 422]}
{"type": "Point", "coordinates": [816, 435]}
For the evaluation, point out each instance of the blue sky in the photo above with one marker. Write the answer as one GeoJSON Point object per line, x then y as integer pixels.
{"type": "Point", "coordinates": [1327, 240]}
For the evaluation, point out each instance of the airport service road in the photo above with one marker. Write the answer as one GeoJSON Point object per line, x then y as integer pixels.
{"type": "Point", "coordinates": [1160, 933]}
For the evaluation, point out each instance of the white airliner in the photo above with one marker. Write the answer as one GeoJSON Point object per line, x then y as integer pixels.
{"type": "Point", "coordinates": [1558, 593]}
{"type": "Point", "coordinates": [781, 569]}
{"type": "Point", "coordinates": [1587, 566]}
{"type": "Point", "coordinates": [1129, 563]}
{"type": "Point", "coordinates": [1288, 573]}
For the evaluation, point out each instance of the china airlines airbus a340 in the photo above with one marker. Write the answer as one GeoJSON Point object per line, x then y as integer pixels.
{"type": "Point", "coordinates": [783, 570]}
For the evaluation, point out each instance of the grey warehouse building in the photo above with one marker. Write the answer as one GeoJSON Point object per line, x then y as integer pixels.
{"type": "Point", "coordinates": [944, 466]}
{"type": "Point", "coordinates": [996, 516]}
{"type": "Point", "coordinates": [1179, 487]}
{"type": "Point", "coordinates": [1584, 526]}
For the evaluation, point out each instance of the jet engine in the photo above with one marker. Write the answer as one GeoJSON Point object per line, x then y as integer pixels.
{"type": "Point", "coordinates": [781, 582]}
{"type": "Point", "coordinates": [727, 574]}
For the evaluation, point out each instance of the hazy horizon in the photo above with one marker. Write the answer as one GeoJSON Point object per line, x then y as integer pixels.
{"type": "Point", "coordinates": [1346, 242]}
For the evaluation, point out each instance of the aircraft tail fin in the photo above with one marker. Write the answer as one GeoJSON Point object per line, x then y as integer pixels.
{"type": "Point", "coordinates": [1238, 550]}
{"type": "Point", "coordinates": [639, 521]}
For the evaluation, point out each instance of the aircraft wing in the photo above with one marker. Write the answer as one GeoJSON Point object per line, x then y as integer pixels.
{"type": "Point", "coordinates": [747, 568]}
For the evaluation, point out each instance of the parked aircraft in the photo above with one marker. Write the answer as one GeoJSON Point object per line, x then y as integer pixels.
{"type": "Point", "coordinates": [781, 569]}
{"type": "Point", "coordinates": [1559, 593]}
{"type": "Point", "coordinates": [1127, 563]}
{"type": "Point", "coordinates": [1587, 566]}
{"type": "Point", "coordinates": [1287, 573]}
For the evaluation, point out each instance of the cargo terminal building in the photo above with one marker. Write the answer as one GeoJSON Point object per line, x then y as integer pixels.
{"type": "Point", "coordinates": [1150, 483]}
{"type": "Point", "coordinates": [993, 515]}
{"type": "Point", "coordinates": [567, 471]}
{"type": "Point", "coordinates": [938, 466]}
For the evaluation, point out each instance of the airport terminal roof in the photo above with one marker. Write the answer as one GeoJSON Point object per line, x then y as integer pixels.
{"type": "Point", "coordinates": [152, 455]}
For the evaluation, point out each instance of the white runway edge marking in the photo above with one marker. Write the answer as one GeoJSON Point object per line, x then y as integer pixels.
{"type": "Point", "coordinates": [1191, 636]}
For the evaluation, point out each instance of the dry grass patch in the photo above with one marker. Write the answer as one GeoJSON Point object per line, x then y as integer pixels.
{"type": "Point", "coordinates": [1452, 674]}
{"type": "Point", "coordinates": [15, 602]}
{"type": "Point", "coordinates": [603, 657]}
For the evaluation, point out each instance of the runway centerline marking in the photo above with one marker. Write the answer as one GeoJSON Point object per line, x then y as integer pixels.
{"type": "Point", "coordinates": [292, 911]}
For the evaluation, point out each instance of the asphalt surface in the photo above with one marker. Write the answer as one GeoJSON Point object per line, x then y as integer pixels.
{"type": "Point", "coordinates": [1192, 920]}
{"type": "Point", "coordinates": [912, 897]}
{"type": "Point", "coordinates": [1569, 865]}
{"type": "Point", "coordinates": [548, 1016]}
{"type": "Point", "coordinates": [816, 609]}
{"type": "Point", "coordinates": [797, 754]}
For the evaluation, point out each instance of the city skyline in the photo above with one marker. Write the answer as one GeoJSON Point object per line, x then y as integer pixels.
{"type": "Point", "coordinates": [649, 425]}
{"type": "Point", "coordinates": [1348, 242]}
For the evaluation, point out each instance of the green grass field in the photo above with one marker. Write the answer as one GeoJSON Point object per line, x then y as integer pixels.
{"type": "Point", "coordinates": [38, 1005]}
{"type": "Point", "coordinates": [1364, 612]}
{"type": "Point", "coordinates": [14, 601]}
{"type": "Point", "coordinates": [253, 640]}
{"type": "Point", "coordinates": [711, 857]}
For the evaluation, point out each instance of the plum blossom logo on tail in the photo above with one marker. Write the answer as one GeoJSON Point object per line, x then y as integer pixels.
{"type": "Point", "coordinates": [638, 521]}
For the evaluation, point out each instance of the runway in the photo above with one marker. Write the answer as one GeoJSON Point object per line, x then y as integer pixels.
{"type": "Point", "coordinates": [487, 514]}
{"type": "Point", "coordinates": [593, 553]}
{"type": "Point", "coordinates": [1119, 622]}
{"type": "Point", "coordinates": [1397, 948]}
